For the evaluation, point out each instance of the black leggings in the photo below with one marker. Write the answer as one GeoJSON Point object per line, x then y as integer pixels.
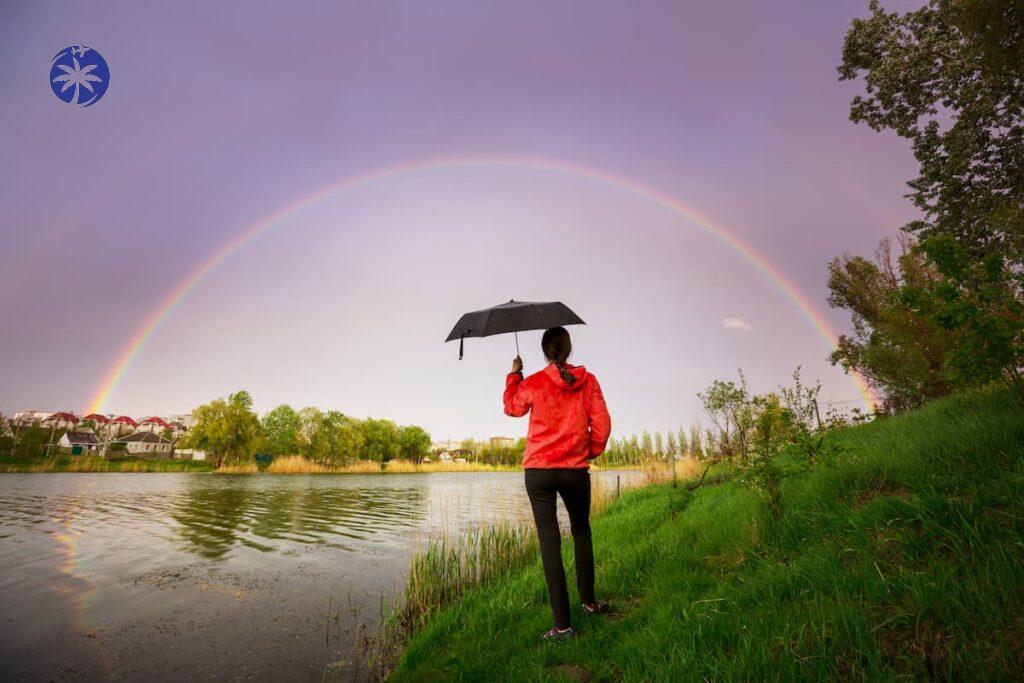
{"type": "Point", "coordinates": [543, 486]}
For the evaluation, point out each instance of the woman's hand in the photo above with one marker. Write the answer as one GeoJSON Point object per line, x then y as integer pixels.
{"type": "Point", "coordinates": [517, 365]}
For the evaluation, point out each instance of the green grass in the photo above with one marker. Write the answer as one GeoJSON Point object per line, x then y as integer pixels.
{"type": "Point", "coordinates": [903, 558]}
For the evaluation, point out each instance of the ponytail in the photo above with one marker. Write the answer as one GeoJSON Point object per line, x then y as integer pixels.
{"type": "Point", "coordinates": [557, 346]}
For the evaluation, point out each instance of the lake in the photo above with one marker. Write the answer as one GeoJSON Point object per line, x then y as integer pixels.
{"type": "Point", "coordinates": [204, 576]}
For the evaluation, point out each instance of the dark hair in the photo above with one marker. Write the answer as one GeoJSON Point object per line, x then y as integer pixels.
{"type": "Point", "coordinates": [557, 346]}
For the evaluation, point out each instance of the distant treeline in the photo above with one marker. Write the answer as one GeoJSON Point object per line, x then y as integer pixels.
{"type": "Point", "coordinates": [231, 431]}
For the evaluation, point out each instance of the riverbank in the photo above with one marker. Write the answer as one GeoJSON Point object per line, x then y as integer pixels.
{"type": "Point", "coordinates": [280, 465]}
{"type": "Point", "coordinates": [85, 463]}
{"type": "Point", "coordinates": [899, 557]}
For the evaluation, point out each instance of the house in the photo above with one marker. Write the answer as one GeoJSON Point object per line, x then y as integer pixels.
{"type": "Point", "coordinates": [147, 443]}
{"type": "Point", "coordinates": [28, 418]}
{"type": "Point", "coordinates": [446, 445]}
{"type": "Point", "coordinates": [178, 430]}
{"type": "Point", "coordinates": [502, 442]}
{"type": "Point", "coordinates": [79, 442]}
{"type": "Point", "coordinates": [154, 424]}
{"type": "Point", "coordinates": [185, 419]}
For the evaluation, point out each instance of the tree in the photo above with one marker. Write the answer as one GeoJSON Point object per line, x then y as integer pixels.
{"type": "Point", "coordinates": [696, 450]}
{"type": "Point", "coordinates": [978, 305]}
{"type": "Point", "coordinates": [414, 442]}
{"type": "Point", "coordinates": [382, 442]}
{"type": "Point", "coordinates": [900, 352]}
{"type": "Point", "coordinates": [949, 77]}
{"type": "Point", "coordinates": [671, 448]}
{"type": "Point", "coordinates": [646, 444]}
{"type": "Point", "coordinates": [309, 425]}
{"type": "Point", "coordinates": [659, 447]}
{"type": "Point", "coordinates": [684, 444]}
{"type": "Point", "coordinates": [228, 429]}
{"type": "Point", "coordinates": [281, 426]}
{"type": "Point", "coordinates": [729, 408]}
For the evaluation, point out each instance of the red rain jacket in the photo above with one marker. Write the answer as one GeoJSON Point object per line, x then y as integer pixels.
{"type": "Point", "coordinates": [569, 424]}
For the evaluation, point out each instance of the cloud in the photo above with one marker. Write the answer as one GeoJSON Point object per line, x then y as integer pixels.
{"type": "Point", "coordinates": [736, 324]}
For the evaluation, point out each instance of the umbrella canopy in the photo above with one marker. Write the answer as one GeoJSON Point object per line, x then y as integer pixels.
{"type": "Point", "coordinates": [97, 418]}
{"type": "Point", "coordinates": [515, 316]}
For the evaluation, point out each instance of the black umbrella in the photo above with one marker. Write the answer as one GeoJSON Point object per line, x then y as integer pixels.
{"type": "Point", "coordinates": [515, 316]}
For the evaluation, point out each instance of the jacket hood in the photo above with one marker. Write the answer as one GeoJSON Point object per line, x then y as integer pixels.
{"type": "Point", "coordinates": [577, 371]}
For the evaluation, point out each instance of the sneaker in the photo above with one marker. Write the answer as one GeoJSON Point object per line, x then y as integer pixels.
{"type": "Point", "coordinates": [558, 634]}
{"type": "Point", "coordinates": [596, 608]}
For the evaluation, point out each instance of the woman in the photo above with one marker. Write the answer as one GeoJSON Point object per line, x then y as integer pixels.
{"type": "Point", "coordinates": [569, 427]}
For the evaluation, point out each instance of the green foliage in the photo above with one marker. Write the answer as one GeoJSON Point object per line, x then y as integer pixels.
{"type": "Point", "coordinates": [414, 443]}
{"type": "Point", "coordinates": [281, 427]}
{"type": "Point", "coordinates": [227, 429]}
{"type": "Point", "coordinates": [341, 439]}
{"type": "Point", "coordinates": [949, 77]}
{"type": "Point", "coordinates": [730, 409]}
{"type": "Point", "coordinates": [646, 445]}
{"type": "Point", "coordinates": [32, 441]}
{"type": "Point", "coordinates": [382, 440]}
{"type": "Point", "coordinates": [671, 447]}
{"type": "Point", "coordinates": [696, 448]}
{"type": "Point", "coordinates": [899, 351]}
{"type": "Point", "coordinates": [978, 305]}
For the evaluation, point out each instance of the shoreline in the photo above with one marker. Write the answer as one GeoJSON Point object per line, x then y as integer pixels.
{"type": "Point", "coordinates": [65, 464]}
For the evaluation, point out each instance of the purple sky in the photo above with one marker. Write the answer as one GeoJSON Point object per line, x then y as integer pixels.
{"type": "Point", "coordinates": [221, 113]}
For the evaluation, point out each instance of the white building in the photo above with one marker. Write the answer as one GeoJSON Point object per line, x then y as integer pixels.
{"type": "Point", "coordinates": [79, 442]}
{"type": "Point", "coordinates": [189, 454]}
{"type": "Point", "coordinates": [27, 418]}
{"type": "Point", "coordinates": [184, 418]}
{"type": "Point", "coordinates": [147, 443]}
{"type": "Point", "coordinates": [447, 445]}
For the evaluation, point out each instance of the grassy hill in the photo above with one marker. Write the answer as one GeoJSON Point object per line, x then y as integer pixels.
{"type": "Point", "coordinates": [903, 557]}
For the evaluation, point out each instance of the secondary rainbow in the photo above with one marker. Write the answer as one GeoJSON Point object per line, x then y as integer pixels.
{"type": "Point", "coordinates": [155, 319]}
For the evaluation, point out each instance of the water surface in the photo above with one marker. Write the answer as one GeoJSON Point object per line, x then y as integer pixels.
{"type": "Point", "coordinates": [212, 577]}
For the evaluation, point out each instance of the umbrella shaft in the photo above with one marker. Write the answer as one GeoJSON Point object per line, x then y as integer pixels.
{"type": "Point", "coordinates": [516, 335]}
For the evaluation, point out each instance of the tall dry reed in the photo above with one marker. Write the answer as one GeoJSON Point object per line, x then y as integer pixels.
{"type": "Point", "coordinates": [408, 466]}
{"type": "Point", "coordinates": [238, 468]}
{"type": "Point", "coordinates": [659, 471]}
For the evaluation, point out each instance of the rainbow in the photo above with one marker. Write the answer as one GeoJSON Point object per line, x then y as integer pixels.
{"type": "Point", "coordinates": [155, 319]}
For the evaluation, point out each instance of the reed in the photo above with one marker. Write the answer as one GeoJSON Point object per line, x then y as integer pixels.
{"type": "Point", "coordinates": [294, 464]}
{"type": "Point", "coordinates": [409, 467]}
{"type": "Point", "coordinates": [94, 463]}
{"type": "Point", "coordinates": [359, 467]}
{"type": "Point", "coordinates": [238, 468]}
{"type": "Point", "coordinates": [449, 568]}
{"type": "Point", "coordinates": [299, 464]}
{"type": "Point", "coordinates": [659, 471]}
